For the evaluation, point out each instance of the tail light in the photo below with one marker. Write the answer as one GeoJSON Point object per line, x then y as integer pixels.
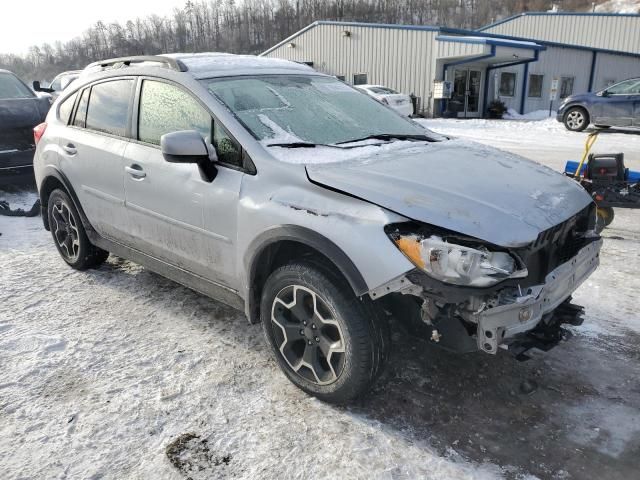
{"type": "Point", "coordinates": [38, 131]}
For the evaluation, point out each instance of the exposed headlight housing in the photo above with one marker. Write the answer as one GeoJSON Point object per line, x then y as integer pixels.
{"type": "Point", "coordinates": [459, 264]}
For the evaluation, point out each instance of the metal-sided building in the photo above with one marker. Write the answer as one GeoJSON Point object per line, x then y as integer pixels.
{"type": "Point", "coordinates": [515, 60]}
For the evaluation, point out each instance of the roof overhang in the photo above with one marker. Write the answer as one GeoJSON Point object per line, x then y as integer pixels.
{"type": "Point", "coordinates": [486, 50]}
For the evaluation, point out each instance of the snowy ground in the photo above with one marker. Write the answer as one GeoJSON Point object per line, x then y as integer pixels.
{"type": "Point", "coordinates": [118, 373]}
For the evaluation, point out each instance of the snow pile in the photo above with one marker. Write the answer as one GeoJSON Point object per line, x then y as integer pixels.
{"type": "Point", "coordinates": [619, 6]}
{"type": "Point", "coordinates": [536, 115]}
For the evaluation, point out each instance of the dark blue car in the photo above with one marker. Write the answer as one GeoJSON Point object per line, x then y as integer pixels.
{"type": "Point", "coordinates": [20, 111]}
{"type": "Point", "coordinates": [615, 106]}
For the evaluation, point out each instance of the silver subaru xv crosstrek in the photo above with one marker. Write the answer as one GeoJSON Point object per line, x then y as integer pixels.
{"type": "Point", "coordinates": [315, 209]}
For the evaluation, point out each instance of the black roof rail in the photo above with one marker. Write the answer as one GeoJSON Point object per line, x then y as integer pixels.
{"type": "Point", "coordinates": [172, 63]}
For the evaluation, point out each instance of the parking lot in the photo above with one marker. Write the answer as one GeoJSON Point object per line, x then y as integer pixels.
{"type": "Point", "coordinates": [119, 373]}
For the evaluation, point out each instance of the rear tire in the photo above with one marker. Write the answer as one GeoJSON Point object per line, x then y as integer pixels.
{"type": "Point", "coordinates": [69, 235]}
{"type": "Point", "coordinates": [576, 119]}
{"type": "Point", "coordinates": [328, 342]}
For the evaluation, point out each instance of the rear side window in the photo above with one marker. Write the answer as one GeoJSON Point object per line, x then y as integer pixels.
{"type": "Point", "coordinates": [165, 108]}
{"type": "Point", "coordinates": [64, 111]}
{"type": "Point", "coordinates": [108, 110]}
{"type": "Point", "coordinates": [11, 87]}
{"type": "Point", "coordinates": [81, 111]}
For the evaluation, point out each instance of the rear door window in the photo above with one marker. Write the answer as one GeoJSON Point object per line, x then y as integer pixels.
{"type": "Point", "coordinates": [108, 109]}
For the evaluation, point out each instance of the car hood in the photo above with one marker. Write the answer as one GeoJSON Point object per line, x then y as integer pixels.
{"type": "Point", "coordinates": [22, 112]}
{"type": "Point", "coordinates": [461, 186]}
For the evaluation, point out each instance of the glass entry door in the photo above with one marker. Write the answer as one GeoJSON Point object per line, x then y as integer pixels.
{"type": "Point", "coordinates": [465, 98]}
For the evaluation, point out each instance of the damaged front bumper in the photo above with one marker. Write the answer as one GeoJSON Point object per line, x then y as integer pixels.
{"type": "Point", "coordinates": [498, 324]}
{"type": "Point", "coordinates": [512, 317]}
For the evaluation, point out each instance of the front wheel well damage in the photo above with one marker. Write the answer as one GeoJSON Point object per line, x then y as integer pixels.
{"type": "Point", "coordinates": [279, 253]}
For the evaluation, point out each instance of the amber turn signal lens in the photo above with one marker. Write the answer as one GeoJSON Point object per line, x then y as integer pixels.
{"type": "Point", "coordinates": [412, 249]}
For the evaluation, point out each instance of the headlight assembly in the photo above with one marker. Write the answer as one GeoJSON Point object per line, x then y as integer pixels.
{"type": "Point", "coordinates": [458, 264]}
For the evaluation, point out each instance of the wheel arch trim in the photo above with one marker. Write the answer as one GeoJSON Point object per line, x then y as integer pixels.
{"type": "Point", "coordinates": [304, 236]}
{"type": "Point", "coordinates": [53, 172]}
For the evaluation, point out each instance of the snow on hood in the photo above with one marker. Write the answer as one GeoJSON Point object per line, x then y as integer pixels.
{"type": "Point", "coordinates": [323, 155]}
{"type": "Point", "coordinates": [340, 153]}
{"type": "Point", "coordinates": [462, 186]}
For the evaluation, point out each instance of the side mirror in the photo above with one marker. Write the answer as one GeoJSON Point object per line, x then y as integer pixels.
{"type": "Point", "coordinates": [38, 88]}
{"type": "Point", "coordinates": [605, 93]}
{"type": "Point", "coordinates": [186, 146]}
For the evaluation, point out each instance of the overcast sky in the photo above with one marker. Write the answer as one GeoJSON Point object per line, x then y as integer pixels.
{"type": "Point", "coordinates": [33, 22]}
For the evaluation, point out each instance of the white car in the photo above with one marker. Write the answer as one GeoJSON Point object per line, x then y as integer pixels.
{"type": "Point", "coordinates": [398, 101]}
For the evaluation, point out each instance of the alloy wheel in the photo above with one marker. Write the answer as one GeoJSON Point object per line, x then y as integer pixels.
{"type": "Point", "coordinates": [65, 231]}
{"type": "Point", "coordinates": [575, 119]}
{"type": "Point", "coordinates": [307, 335]}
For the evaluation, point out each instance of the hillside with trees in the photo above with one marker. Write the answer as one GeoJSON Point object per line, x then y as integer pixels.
{"type": "Point", "coordinates": [252, 26]}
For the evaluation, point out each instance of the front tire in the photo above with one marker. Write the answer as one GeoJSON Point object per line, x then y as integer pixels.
{"type": "Point", "coordinates": [576, 119]}
{"type": "Point", "coordinates": [328, 342]}
{"type": "Point", "coordinates": [69, 235]}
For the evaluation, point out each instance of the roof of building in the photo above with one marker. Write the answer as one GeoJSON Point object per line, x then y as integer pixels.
{"type": "Point", "coordinates": [557, 14]}
{"type": "Point", "coordinates": [452, 31]}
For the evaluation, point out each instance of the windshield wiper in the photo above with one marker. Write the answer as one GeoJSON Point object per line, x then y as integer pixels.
{"type": "Point", "coordinates": [391, 136]}
{"type": "Point", "coordinates": [380, 136]}
{"type": "Point", "coordinates": [301, 145]}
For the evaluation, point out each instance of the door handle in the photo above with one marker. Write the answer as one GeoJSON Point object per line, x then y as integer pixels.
{"type": "Point", "coordinates": [135, 171]}
{"type": "Point", "coordinates": [70, 149]}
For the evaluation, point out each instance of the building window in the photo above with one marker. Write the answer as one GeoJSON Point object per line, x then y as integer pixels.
{"type": "Point", "coordinates": [360, 79]}
{"type": "Point", "coordinates": [340, 77]}
{"type": "Point", "coordinates": [566, 86]}
{"type": "Point", "coordinates": [535, 85]}
{"type": "Point", "coordinates": [507, 84]}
